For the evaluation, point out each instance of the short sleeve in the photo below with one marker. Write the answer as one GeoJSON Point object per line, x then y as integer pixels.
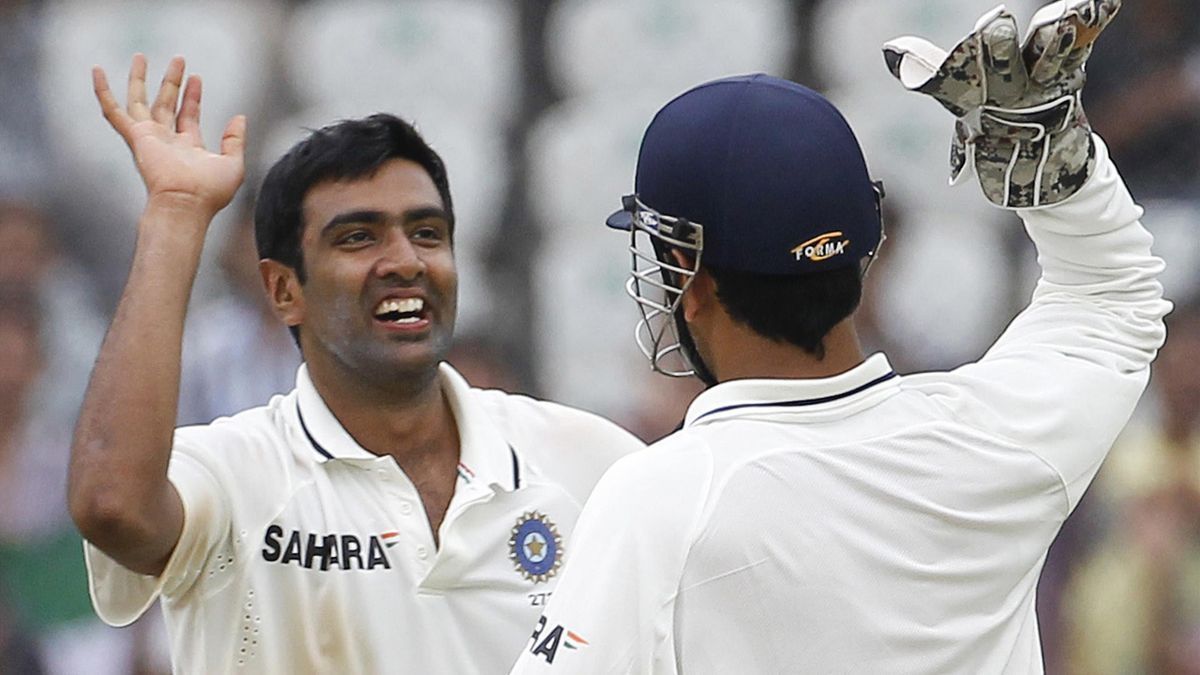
{"type": "Point", "coordinates": [120, 595]}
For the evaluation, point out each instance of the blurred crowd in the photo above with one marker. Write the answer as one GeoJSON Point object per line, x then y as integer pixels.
{"type": "Point", "coordinates": [538, 107]}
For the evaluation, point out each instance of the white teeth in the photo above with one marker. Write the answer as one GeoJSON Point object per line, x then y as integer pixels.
{"type": "Point", "coordinates": [402, 306]}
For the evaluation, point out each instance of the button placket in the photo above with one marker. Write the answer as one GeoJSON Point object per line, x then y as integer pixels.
{"type": "Point", "coordinates": [400, 499]}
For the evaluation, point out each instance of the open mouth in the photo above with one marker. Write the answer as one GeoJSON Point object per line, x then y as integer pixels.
{"type": "Point", "coordinates": [400, 311]}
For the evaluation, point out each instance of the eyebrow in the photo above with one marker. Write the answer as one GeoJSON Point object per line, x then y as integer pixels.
{"type": "Point", "coordinates": [373, 217]}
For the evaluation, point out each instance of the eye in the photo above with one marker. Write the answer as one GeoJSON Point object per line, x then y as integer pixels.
{"type": "Point", "coordinates": [354, 238]}
{"type": "Point", "coordinates": [428, 233]}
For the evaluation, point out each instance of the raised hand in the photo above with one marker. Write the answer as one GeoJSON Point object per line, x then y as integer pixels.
{"type": "Point", "coordinates": [1021, 125]}
{"type": "Point", "coordinates": [165, 138]}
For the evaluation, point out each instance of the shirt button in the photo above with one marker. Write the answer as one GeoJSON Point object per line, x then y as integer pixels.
{"type": "Point", "coordinates": [406, 508]}
{"type": "Point", "coordinates": [422, 552]}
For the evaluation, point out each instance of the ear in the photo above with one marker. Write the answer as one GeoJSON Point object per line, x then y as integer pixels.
{"type": "Point", "coordinates": [701, 293]}
{"type": "Point", "coordinates": [284, 291]}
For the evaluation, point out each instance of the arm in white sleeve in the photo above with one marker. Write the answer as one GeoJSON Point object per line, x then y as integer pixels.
{"type": "Point", "coordinates": [613, 609]}
{"type": "Point", "coordinates": [120, 595]}
{"type": "Point", "coordinates": [1065, 376]}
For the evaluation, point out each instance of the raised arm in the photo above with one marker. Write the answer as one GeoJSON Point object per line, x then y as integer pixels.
{"type": "Point", "coordinates": [1064, 378]}
{"type": "Point", "coordinates": [118, 491]}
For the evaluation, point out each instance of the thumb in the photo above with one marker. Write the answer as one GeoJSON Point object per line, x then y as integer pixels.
{"type": "Point", "coordinates": [913, 60]}
{"type": "Point", "coordinates": [233, 141]}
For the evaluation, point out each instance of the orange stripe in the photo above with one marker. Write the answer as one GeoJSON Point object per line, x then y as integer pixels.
{"type": "Point", "coordinates": [576, 638]}
{"type": "Point", "coordinates": [388, 535]}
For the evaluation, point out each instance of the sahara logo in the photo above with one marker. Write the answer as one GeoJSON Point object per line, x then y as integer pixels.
{"type": "Point", "coordinates": [546, 643]}
{"type": "Point", "coordinates": [821, 247]}
{"type": "Point", "coordinates": [330, 551]}
{"type": "Point", "coordinates": [535, 547]}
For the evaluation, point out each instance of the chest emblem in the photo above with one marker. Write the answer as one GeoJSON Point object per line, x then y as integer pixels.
{"type": "Point", "coordinates": [535, 547]}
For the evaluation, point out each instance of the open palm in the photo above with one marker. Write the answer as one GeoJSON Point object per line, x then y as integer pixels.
{"type": "Point", "coordinates": [166, 142]}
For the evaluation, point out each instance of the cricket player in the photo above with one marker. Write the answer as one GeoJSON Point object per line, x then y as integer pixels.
{"type": "Point", "coordinates": [818, 512]}
{"type": "Point", "coordinates": [383, 516]}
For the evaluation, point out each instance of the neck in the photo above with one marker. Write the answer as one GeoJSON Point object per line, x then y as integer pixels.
{"type": "Point", "coordinates": [744, 354]}
{"type": "Point", "coordinates": [409, 420]}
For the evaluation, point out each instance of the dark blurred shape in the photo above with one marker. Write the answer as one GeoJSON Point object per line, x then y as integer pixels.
{"type": "Point", "coordinates": [18, 652]}
{"type": "Point", "coordinates": [72, 328]}
{"type": "Point", "coordinates": [42, 576]}
{"type": "Point", "coordinates": [1143, 95]}
{"type": "Point", "coordinates": [1134, 605]}
{"type": "Point", "coordinates": [26, 165]}
{"type": "Point", "coordinates": [662, 404]}
{"type": "Point", "coordinates": [26, 248]}
{"type": "Point", "coordinates": [482, 362]}
{"type": "Point", "coordinates": [236, 353]}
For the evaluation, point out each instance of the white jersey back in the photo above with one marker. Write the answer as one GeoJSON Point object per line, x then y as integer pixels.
{"type": "Point", "coordinates": [891, 534]}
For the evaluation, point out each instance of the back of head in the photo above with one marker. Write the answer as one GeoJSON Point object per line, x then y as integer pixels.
{"type": "Point", "coordinates": [769, 168]}
{"type": "Point", "coordinates": [346, 150]}
{"type": "Point", "coordinates": [761, 182]}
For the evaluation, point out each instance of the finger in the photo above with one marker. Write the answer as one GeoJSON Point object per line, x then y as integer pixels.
{"type": "Point", "coordinates": [1092, 18]}
{"type": "Point", "coordinates": [1053, 46]}
{"type": "Point", "coordinates": [954, 79]}
{"type": "Point", "coordinates": [135, 101]}
{"type": "Point", "coordinates": [1108, 11]}
{"type": "Point", "coordinates": [233, 141]}
{"type": "Point", "coordinates": [163, 109]}
{"type": "Point", "coordinates": [1006, 74]}
{"type": "Point", "coordinates": [913, 60]}
{"type": "Point", "coordinates": [108, 103]}
{"type": "Point", "coordinates": [189, 111]}
{"type": "Point", "coordinates": [1089, 21]}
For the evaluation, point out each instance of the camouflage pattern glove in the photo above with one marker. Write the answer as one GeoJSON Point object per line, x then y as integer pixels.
{"type": "Point", "coordinates": [1021, 125]}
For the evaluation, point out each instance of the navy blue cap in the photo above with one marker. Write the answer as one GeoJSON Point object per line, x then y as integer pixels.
{"type": "Point", "coordinates": [770, 170]}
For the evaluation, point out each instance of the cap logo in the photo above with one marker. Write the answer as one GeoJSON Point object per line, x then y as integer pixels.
{"type": "Point", "coordinates": [821, 247]}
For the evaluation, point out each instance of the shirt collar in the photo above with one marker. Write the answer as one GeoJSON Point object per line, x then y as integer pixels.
{"type": "Point", "coordinates": [485, 458]}
{"type": "Point", "coordinates": [737, 397]}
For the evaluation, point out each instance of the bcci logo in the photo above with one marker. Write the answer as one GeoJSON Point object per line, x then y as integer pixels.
{"type": "Point", "coordinates": [535, 547]}
{"type": "Point", "coordinates": [822, 247]}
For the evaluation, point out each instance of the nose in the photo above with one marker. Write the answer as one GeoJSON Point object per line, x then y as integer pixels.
{"type": "Point", "coordinates": [399, 258]}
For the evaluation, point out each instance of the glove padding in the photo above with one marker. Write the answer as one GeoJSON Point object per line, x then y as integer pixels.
{"type": "Point", "coordinates": [1021, 125]}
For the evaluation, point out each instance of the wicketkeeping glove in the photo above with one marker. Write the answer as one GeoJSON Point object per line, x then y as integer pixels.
{"type": "Point", "coordinates": [1021, 125]}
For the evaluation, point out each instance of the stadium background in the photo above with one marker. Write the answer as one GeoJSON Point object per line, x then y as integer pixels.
{"type": "Point", "coordinates": [538, 107]}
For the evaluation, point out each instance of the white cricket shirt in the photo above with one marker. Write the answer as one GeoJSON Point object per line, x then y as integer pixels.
{"type": "Point", "coordinates": [301, 552]}
{"type": "Point", "coordinates": [868, 522]}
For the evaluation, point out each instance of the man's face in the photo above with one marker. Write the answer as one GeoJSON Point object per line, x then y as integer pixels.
{"type": "Point", "coordinates": [381, 289]}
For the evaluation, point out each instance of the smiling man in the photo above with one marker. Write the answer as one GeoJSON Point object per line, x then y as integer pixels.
{"type": "Point", "coordinates": [384, 516]}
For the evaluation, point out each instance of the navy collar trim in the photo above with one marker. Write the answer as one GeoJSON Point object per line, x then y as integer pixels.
{"type": "Point", "coordinates": [516, 465]}
{"type": "Point", "coordinates": [800, 402]}
{"type": "Point", "coordinates": [313, 441]}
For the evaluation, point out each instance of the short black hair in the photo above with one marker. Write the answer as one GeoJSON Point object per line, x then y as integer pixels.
{"type": "Point", "coordinates": [345, 150]}
{"type": "Point", "coordinates": [795, 309]}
